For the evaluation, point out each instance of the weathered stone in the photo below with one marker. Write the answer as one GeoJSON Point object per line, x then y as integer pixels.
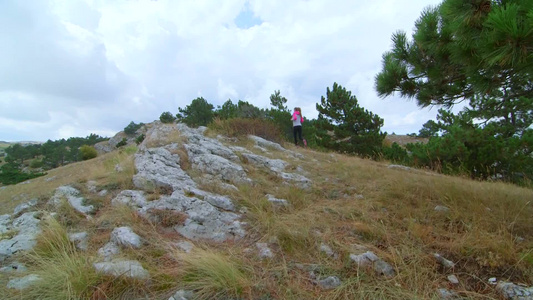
{"type": "Point", "coordinates": [327, 250]}
{"type": "Point", "coordinates": [447, 294]}
{"type": "Point", "coordinates": [184, 246]}
{"type": "Point", "coordinates": [127, 268]}
{"type": "Point", "coordinates": [512, 291]}
{"type": "Point", "coordinates": [274, 165]}
{"type": "Point", "coordinates": [73, 197]}
{"type": "Point", "coordinates": [368, 259]}
{"type": "Point", "coordinates": [329, 283]}
{"type": "Point", "coordinates": [124, 236]}
{"type": "Point", "coordinates": [81, 239]}
{"type": "Point", "coordinates": [131, 198]}
{"type": "Point", "coordinates": [219, 166]}
{"type": "Point", "coordinates": [441, 208]}
{"type": "Point", "coordinates": [277, 201]}
{"type": "Point", "coordinates": [265, 143]}
{"type": "Point", "coordinates": [400, 167]}
{"type": "Point", "coordinates": [182, 295]}
{"type": "Point", "coordinates": [443, 261]}
{"type": "Point", "coordinates": [27, 229]}
{"type": "Point", "coordinates": [24, 206]}
{"type": "Point", "coordinates": [453, 279]}
{"type": "Point", "coordinates": [108, 251]}
{"type": "Point", "coordinates": [15, 266]}
{"type": "Point", "coordinates": [23, 283]}
{"type": "Point", "coordinates": [264, 250]}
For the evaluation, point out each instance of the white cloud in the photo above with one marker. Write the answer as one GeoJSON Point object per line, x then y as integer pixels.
{"type": "Point", "coordinates": [76, 67]}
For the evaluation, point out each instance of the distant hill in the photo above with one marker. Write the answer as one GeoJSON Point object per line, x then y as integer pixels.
{"type": "Point", "coordinates": [403, 140]}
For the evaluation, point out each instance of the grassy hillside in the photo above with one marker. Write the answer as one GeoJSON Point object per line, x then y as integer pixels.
{"type": "Point", "coordinates": [353, 204]}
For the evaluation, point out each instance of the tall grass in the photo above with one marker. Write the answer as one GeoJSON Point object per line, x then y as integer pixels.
{"type": "Point", "coordinates": [215, 275]}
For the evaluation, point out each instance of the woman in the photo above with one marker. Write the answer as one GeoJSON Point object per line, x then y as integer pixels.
{"type": "Point", "coordinates": [297, 120]}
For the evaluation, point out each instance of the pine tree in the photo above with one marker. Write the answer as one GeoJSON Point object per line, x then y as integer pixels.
{"type": "Point", "coordinates": [198, 113]}
{"type": "Point", "coordinates": [478, 52]}
{"type": "Point", "coordinates": [344, 126]}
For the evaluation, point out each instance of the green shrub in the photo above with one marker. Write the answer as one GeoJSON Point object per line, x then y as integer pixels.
{"type": "Point", "coordinates": [124, 142]}
{"type": "Point", "coordinates": [36, 163]}
{"type": "Point", "coordinates": [395, 153]}
{"type": "Point", "coordinates": [87, 152]}
{"type": "Point", "coordinates": [132, 128]}
{"type": "Point", "coordinates": [167, 117]}
{"type": "Point", "coordinates": [140, 139]}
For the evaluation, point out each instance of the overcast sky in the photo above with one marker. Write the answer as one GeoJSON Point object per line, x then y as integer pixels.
{"type": "Point", "coordinates": [75, 67]}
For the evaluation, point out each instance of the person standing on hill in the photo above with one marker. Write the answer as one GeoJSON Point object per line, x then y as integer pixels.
{"type": "Point", "coordinates": [297, 120]}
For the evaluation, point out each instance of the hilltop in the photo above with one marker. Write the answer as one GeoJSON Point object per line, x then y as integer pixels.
{"type": "Point", "coordinates": [191, 213]}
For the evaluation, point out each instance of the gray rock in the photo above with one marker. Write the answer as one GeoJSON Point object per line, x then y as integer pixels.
{"type": "Point", "coordinates": [329, 283]}
{"type": "Point", "coordinates": [124, 236]}
{"type": "Point", "coordinates": [27, 228]}
{"type": "Point", "coordinates": [157, 167]}
{"type": "Point", "coordinates": [24, 206]}
{"type": "Point", "coordinates": [5, 223]}
{"type": "Point", "coordinates": [73, 197]}
{"type": "Point", "coordinates": [182, 295]}
{"type": "Point", "coordinates": [327, 250]}
{"type": "Point", "coordinates": [369, 259]}
{"type": "Point", "coordinates": [184, 246]}
{"type": "Point", "coordinates": [91, 186]}
{"type": "Point", "coordinates": [23, 283]}
{"type": "Point", "coordinates": [512, 291]}
{"type": "Point", "coordinates": [219, 166]}
{"type": "Point", "coordinates": [453, 279]}
{"type": "Point", "coordinates": [131, 198]}
{"type": "Point", "coordinates": [50, 179]}
{"type": "Point", "coordinates": [264, 250]}
{"type": "Point", "coordinates": [81, 239]}
{"type": "Point", "coordinates": [102, 193]}
{"type": "Point", "coordinates": [277, 201]}
{"type": "Point", "coordinates": [443, 261]}
{"type": "Point", "coordinates": [447, 294]}
{"type": "Point", "coordinates": [127, 268]}
{"type": "Point", "coordinates": [108, 251]}
{"type": "Point", "coordinates": [399, 167]}
{"type": "Point", "coordinates": [274, 165]}
{"type": "Point", "coordinates": [265, 143]}
{"type": "Point", "coordinates": [15, 266]}
{"type": "Point", "coordinates": [441, 208]}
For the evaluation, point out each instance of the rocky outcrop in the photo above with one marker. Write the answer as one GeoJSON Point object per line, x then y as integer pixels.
{"type": "Point", "coordinates": [24, 229]}
{"type": "Point", "coordinates": [127, 268]}
{"type": "Point", "coordinates": [73, 197]}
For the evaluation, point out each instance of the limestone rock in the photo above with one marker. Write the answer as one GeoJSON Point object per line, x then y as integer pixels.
{"type": "Point", "coordinates": [184, 246]}
{"type": "Point", "coordinates": [265, 143]}
{"type": "Point", "coordinates": [23, 283]}
{"type": "Point", "coordinates": [264, 250]}
{"type": "Point", "coordinates": [443, 261]}
{"type": "Point", "coordinates": [453, 279]}
{"type": "Point", "coordinates": [329, 283]}
{"type": "Point", "coordinates": [127, 268]}
{"type": "Point", "coordinates": [441, 208]}
{"type": "Point", "coordinates": [182, 295]}
{"type": "Point", "coordinates": [512, 291]}
{"type": "Point", "coordinates": [368, 259]}
{"type": "Point", "coordinates": [124, 236]}
{"type": "Point", "coordinates": [73, 197]}
{"type": "Point", "coordinates": [13, 267]}
{"type": "Point", "coordinates": [400, 167]}
{"type": "Point", "coordinates": [108, 251]}
{"type": "Point", "coordinates": [277, 201]}
{"type": "Point", "coordinates": [27, 229]}
{"type": "Point", "coordinates": [24, 206]}
{"type": "Point", "coordinates": [131, 198]}
{"type": "Point", "coordinates": [447, 294]}
{"type": "Point", "coordinates": [81, 239]}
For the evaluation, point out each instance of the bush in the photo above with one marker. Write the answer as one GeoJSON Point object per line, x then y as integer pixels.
{"type": "Point", "coordinates": [36, 163]}
{"type": "Point", "coordinates": [124, 142]}
{"type": "Point", "coordinates": [132, 128]}
{"type": "Point", "coordinates": [140, 139]}
{"type": "Point", "coordinates": [396, 153]}
{"type": "Point", "coordinates": [240, 127]}
{"type": "Point", "coordinates": [167, 117]}
{"type": "Point", "coordinates": [87, 152]}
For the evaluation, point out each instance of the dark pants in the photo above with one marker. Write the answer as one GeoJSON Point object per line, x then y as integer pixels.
{"type": "Point", "coordinates": [297, 131]}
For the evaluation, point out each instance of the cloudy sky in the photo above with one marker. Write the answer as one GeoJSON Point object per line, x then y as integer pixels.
{"type": "Point", "coordinates": [75, 67]}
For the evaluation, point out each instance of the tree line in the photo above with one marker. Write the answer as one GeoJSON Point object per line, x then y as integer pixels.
{"type": "Point", "coordinates": [30, 161]}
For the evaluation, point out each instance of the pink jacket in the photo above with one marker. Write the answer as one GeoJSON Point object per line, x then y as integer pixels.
{"type": "Point", "coordinates": [296, 118]}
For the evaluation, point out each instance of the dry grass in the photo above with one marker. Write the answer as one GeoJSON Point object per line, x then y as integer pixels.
{"type": "Point", "coordinates": [353, 203]}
